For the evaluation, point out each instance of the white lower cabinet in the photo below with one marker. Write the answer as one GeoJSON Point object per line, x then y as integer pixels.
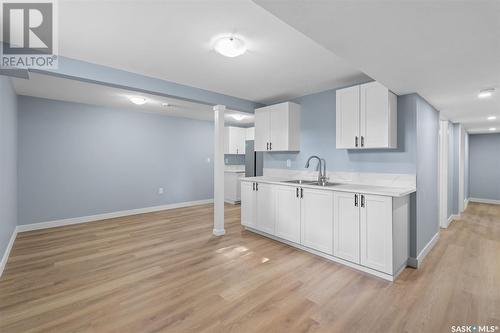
{"type": "Point", "coordinates": [317, 220]}
{"type": "Point", "coordinates": [363, 231]}
{"type": "Point", "coordinates": [288, 213]}
{"type": "Point", "coordinates": [266, 217]}
{"type": "Point", "coordinates": [346, 226]}
{"type": "Point", "coordinates": [248, 204]}
{"type": "Point", "coordinates": [376, 233]}
{"type": "Point", "coordinates": [369, 232]}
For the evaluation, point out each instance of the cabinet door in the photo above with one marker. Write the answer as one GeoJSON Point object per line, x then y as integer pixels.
{"type": "Point", "coordinates": [278, 130]}
{"type": "Point", "coordinates": [317, 220]}
{"type": "Point", "coordinates": [346, 226]}
{"type": "Point", "coordinates": [288, 213]}
{"type": "Point", "coordinates": [376, 232]}
{"type": "Point", "coordinates": [347, 117]}
{"type": "Point", "coordinates": [265, 208]}
{"type": "Point", "coordinates": [261, 129]}
{"type": "Point", "coordinates": [248, 205]}
{"type": "Point", "coordinates": [375, 116]}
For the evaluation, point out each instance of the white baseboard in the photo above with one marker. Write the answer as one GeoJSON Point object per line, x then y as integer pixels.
{"type": "Point", "coordinates": [450, 219]}
{"type": "Point", "coordinates": [105, 216]}
{"type": "Point", "coordinates": [6, 254]}
{"type": "Point", "coordinates": [486, 201]}
{"type": "Point", "coordinates": [466, 203]}
{"type": "Point", "coordinates": [425, 251]}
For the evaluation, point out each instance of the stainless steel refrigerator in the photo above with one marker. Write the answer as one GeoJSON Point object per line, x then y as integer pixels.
{"type": "Point", "coordinates": [254, 161]}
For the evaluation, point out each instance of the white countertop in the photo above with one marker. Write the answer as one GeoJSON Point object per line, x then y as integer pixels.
{"type": "Point", "coordinates": [355, 188]}
{"type": "Point", "coordinates": [234, 171]}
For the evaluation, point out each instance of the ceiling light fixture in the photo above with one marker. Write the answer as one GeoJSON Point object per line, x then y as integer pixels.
{"type": "Point", "coordinates": [137, 100]}
{"type": "Point", "coordinates": [492, 118]}
{"type": "Point", "coordinates": [165, 105]}
{"type": "Point", "coordinates": [486, 93]}
{"type": "Point", "coordinates": [230, 46]}
{"type": "Point", "coordinates": [492, 129]}
{"type": "Point", "coordinates": [238, 117]}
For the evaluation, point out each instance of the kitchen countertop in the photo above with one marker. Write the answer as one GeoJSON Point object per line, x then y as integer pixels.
{"type": "Point", "coordinates": [234, 171]}
{"type": "Point", "coordinates": [355, 188]}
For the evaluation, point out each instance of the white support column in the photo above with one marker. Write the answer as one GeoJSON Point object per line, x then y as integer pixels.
{"type": "Point", "coordinates": [219, 171]}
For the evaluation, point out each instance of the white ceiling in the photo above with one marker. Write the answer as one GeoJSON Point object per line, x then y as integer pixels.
{"type": "Point", "coordinates": [51, 87]}
{"type": "Point", "coordinates": [173, 40]}
{"type": "Point", "coordinates": [444, 50]}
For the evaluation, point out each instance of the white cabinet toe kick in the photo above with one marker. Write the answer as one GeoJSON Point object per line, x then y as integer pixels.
{"type": "Point", "coordinates": [367, 232]}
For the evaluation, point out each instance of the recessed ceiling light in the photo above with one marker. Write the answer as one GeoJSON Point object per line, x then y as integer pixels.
{"type": "Point", "coordinates": [492, 129]}
{"type": "Point", "coordinates": [486, 93]}
{"type": "Point", "coordinates": [137, 100]}
{"type": "Point", "coordinates": [238, 117]}
{"type": "Point", "coordinates": [492, 118]}
{"type": "Point", "coordinates": [230, 46]}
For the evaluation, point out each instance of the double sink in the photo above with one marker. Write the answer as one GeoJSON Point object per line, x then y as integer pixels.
{"type": "Point", "coordinates": [311, 182]}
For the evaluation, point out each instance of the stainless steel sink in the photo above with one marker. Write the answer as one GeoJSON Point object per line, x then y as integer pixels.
{"type": "Point", "coordinates": [301, 182]}
{"type": "Point", "coordinates": [310, 182]}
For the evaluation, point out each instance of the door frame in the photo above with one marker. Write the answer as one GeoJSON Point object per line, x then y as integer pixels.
{"type": "Point", "coordinates": [444, 146]}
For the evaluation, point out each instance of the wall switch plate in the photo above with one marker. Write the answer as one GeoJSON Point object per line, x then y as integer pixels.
{"type": "Point", "coordinates": [288, 163]}
{"type": "Point", "coordinates": [160, 190]}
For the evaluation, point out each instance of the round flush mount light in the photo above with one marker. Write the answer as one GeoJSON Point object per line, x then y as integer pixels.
{"type": "Point", "coordinates": [485, 93]}
{"type": "Point", "coordinates": [230, 46]}
{"type": "Point", "coordinates": [492, 129]}
{"type": "Point", "coordinates": [238, 117]}
{"type": "Point", "coordinates": [492, 118]}
{"type": "Point", "coordinates": [137, 100]}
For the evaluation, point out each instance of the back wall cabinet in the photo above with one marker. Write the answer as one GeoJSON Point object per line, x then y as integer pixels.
{"type": "Point", "coordinates": [366, 117]}
{"type": "Point", "coordinates": [277, 127]}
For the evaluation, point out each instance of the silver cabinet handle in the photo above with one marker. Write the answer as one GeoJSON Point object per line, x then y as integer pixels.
{"type": "Point", "coordinates": [253, 186]}
{"type": "Point", "coordinates": [270, 146]}
{"type": "Point", "coordinates": [267, 145]}
{"type": "Point", "coordinates": [256, 186]}
{"type": "Point", "coordinates": [356, 141]}
{"type": "Point", "coordinates": [362, 200]}
{"type": "Point", "coordinates": [297, 192]}
{"type": "Point", "coordinates": [362, 141]}
{"type": "Point", "coordinates": [356, 200]}
{"type": "Point", "coordinates": [301, 192]}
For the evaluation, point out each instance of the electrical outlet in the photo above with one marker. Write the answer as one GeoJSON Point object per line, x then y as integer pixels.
{"type": "Point", "coordinates": [289, 163]}
{"type": "Point", "coordinates": [160, 190]}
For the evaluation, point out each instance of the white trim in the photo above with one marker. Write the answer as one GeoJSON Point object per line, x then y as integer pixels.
{"type": "Point", "coordinates": [461, 168]}
{"type": "Point", "coordinates": [443, 172]}
{"type": "Point", "coordinates": [384, 276]}
{"type": "Point", "coordinates": [219, 232]}
{"type": "Point", "coordinates": [425, 251]}
{"type": "Point", "coordinates": [105, 216]}
{"type": "Point", "coordinates": [486, 201]}
{"type": "Point", "coordinates": [466, 203]}
{"type": "Point", "coordinates": [7, 251]}
{"type": "Point", "coordinates": [451, 219]}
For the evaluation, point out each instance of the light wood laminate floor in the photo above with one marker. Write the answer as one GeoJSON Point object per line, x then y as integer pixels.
{"type": "Point", "coordinates": [164, 272]}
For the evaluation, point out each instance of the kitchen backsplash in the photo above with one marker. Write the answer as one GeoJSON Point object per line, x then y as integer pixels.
{"type": "Point", "coordinates": [230, 159]}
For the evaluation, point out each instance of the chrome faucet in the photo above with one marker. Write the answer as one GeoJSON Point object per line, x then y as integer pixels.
{"type": "Point", "coordinates": [322, 179]}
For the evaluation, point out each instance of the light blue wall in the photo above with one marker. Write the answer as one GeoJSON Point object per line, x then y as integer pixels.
{"type": "Point", "coordinates": [8, 162]}
{"type": "Point", "coordinates": [78, 160]}
{"type": "Point", "coordinates": [484, 168]}
{"type": "Point", "coordinates": [427, 174]}
{"type": "Point", "coordinates": [317, 135]}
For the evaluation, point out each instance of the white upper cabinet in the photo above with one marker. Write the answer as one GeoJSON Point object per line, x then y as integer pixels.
{"type": "Point", "coordinates": [250, 133]}
{"type": "Point", "coordinates": [277, 127]}
{"type": "Point", "coordinates": [347, 117]}
{"type": "Point", "coordinates": [366, 117]}
{"type": "Point", "coordinates": [234, 140]}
